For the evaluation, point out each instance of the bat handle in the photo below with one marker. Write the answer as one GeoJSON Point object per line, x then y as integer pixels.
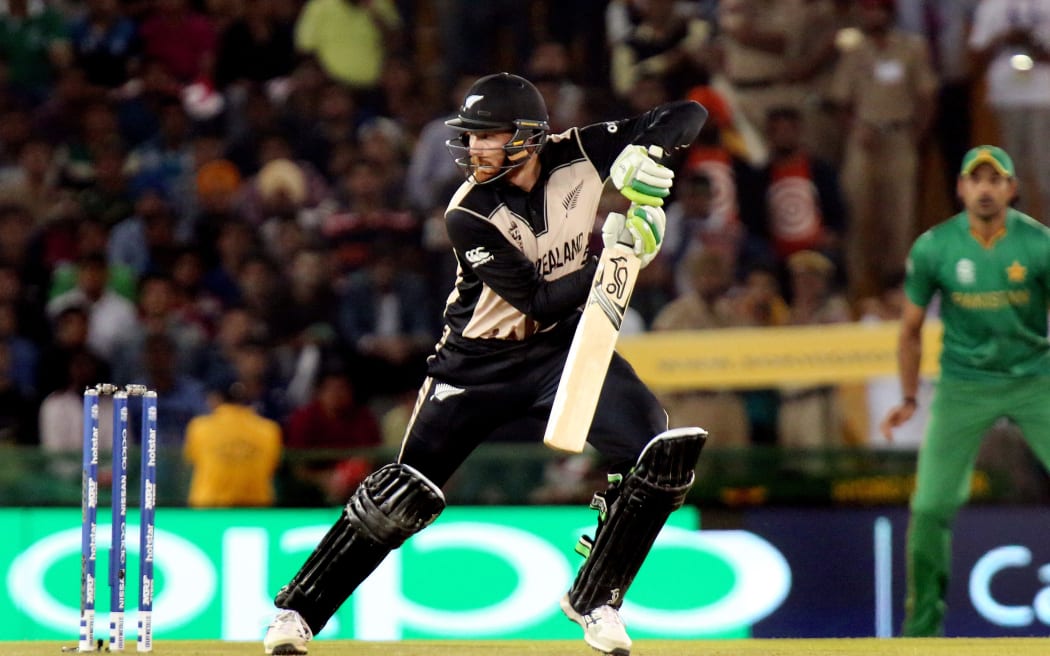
{"type": "Point", "coordinates": [656, 152]}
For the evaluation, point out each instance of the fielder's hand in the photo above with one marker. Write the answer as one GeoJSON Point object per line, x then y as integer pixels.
{"type": "Point", "coordinates": [896, 416]}
{"type": "Point", "coordinates": [639, 177]}
{"type": "Point", "coordinates": [641, 230]}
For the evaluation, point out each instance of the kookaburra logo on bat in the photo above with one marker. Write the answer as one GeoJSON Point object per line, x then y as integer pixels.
{"type": "Point", "coordinates": [610, 290]}
{"type": "Point", "coordinates": [616, 283]}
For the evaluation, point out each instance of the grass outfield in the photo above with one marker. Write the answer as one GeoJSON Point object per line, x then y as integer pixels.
{"type": "Point", "coordinates": [852, 647]}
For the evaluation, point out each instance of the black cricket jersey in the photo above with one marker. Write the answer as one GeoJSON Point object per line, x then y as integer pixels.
{"type": "Point", "coordinates": [524, 269]}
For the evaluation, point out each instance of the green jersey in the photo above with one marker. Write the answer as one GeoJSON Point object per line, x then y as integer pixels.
{"type": "Point", "coordinates": [993, 296]}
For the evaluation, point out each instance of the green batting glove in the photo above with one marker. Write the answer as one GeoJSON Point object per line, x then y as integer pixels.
{"type": "Point", "coordinates": [646, 224]}
{"type": "Point", "coordinates": [639, 177]}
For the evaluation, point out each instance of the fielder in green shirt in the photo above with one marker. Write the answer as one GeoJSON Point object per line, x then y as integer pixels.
{"type": "Point", "coordinates": [990, 265]}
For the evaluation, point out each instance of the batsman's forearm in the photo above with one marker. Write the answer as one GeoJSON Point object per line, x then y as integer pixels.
{"type": "Point", "coordinates": [909, 357]}
{"type": "Point", "coordinates": [559, 298]}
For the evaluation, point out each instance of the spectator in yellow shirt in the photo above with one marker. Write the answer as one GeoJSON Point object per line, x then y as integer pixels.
{"type": "Point", "coordinates": [234, 454]}
{"type": "Point", "coordinates": [349, 38]}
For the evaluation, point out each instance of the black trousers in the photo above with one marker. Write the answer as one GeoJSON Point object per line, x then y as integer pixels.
{"type": "Point", "coordinates": [450, 421]}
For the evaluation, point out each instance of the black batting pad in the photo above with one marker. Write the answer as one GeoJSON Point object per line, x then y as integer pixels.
{"type": "Point", "coordinates": [655, 488]}
{"type": "Point", "coordinates": [389, 506]}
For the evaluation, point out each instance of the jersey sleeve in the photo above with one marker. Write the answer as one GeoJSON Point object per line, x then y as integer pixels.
{"type": "Point", "coordinates": [482, 248]}
{"type": "Point", "coordinates": [920, 283]}
{"type": "Point", "coordinates": [671, 126]}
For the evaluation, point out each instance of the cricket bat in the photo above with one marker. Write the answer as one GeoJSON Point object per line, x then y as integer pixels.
{"type": "Point", "coordinates": [592, 349]}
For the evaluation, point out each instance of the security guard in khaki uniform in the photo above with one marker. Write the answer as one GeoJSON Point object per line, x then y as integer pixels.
{"type": "Point", "coordinates": [759, 38]}
{"type": "Point", "coordinates": [830, 27]}
{"type": "Point", "coordinates": [887, 86]}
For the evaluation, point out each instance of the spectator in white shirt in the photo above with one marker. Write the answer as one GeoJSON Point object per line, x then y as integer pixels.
{"type": "Point", "coordinates": [109, 314]}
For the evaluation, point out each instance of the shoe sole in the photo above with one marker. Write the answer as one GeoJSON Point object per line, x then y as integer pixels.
{"type": "Point", "coordinates": [286, 650]}
{"type": "Point", "coordinates": [615, 652]}
{"type": "Point", "coordinates": [577, 619]}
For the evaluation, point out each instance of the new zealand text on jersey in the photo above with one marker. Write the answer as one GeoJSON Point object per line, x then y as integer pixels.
{"type": "Point", "coordinates": [556, 258]}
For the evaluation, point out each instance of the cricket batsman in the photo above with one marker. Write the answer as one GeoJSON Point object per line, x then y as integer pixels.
{"type": "Point", "coordinates": [519, 226]}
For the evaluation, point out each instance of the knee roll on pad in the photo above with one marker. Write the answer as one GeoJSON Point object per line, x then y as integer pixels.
{"type": "Point", "coordinates": [655, 488]}
{"type": "Point", "coordinates": [389, 506]}
{"type": "Point", "coordinates": [669, 460]}
{"type": "Point", "coordinates": [393, 504]}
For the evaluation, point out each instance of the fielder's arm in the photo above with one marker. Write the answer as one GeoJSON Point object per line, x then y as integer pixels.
{"type": "Point", "coordinates": [909, 358]}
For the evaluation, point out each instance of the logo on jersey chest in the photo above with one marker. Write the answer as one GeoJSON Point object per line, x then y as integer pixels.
{"type": "Point", "coordinates": [515, 234]}
{"type": "Point", "coordinates": [566, 253]}
{"type": "Point", "coordinates": [1016, 272]}
{"type": "Point", "coordinates": [965, 272]}
{"type": "Point", "coordinates": [992, 299]}
{"type": "Point", "coordinates": [573, 198]}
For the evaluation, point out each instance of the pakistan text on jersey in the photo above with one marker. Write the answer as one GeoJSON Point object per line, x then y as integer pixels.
{"type": "Point", "coordinates": [556, 258]}
{"type": "Point", "coordinates": [991, 300]}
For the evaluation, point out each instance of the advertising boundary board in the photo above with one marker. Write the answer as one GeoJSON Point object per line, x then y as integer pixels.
{"type": "Point", "coordinates": [497, 572]}
{"type": "Point", "coordinates": [492, 572]}
{"type": "Point", "coordinates": [848, 571]}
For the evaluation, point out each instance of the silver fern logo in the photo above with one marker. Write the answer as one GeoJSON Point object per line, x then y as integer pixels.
{"type": "Point", "coordinates": [573, 199]}
{"type": "Point", "coordinates": [443, 391]}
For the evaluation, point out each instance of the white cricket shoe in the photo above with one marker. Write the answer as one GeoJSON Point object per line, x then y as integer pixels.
{"type": "Point", "coordinates": [603, 629]}
{"type": "Point", "coordinates": [287, 635]}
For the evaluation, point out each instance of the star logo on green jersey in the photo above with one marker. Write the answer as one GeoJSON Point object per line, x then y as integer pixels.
{"type": "Point", "coordinates": [1016, 272]}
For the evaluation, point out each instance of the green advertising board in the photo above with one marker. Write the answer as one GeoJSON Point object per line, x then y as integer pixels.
{"type": "Point", "coordinates": [494, 572]}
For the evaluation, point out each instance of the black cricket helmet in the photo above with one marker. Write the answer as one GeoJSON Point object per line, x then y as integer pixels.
{"type": "Point", "coordinates": [501, 103]}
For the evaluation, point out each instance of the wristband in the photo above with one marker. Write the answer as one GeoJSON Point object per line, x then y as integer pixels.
{"type": "Point", "coordinates": [910, 399]}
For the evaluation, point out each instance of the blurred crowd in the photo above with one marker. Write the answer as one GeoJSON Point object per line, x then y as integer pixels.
{"type": "Point", "coordinates": [240, 201]}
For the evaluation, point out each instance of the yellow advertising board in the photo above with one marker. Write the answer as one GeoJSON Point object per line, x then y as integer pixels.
{"type": "Point", "coordinates": [767, 357]}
